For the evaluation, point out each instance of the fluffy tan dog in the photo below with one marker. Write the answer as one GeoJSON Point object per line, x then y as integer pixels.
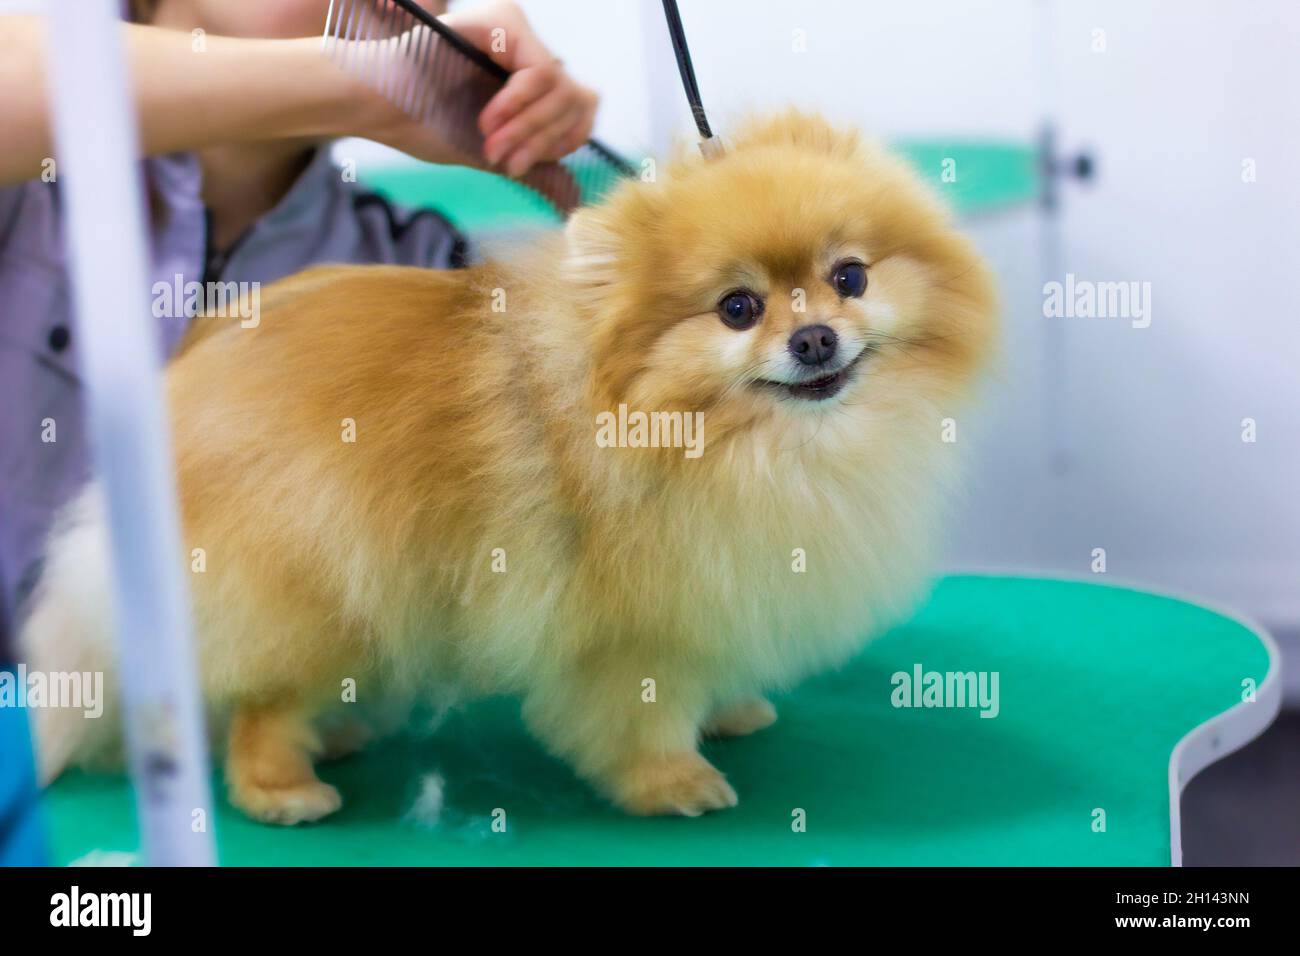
{"type": "Point", "coordinates": [438, 483]}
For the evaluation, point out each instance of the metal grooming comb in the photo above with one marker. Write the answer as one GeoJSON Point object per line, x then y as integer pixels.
{"type": "Point", "coordinates": [435, 75]}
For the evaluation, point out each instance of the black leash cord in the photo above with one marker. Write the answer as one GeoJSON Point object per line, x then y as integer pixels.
{"type": "Point", "coordinates": [678, 34]}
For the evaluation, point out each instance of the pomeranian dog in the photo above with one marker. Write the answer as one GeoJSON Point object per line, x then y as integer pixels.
{"type": "Point", "coordinates": [638, 474]}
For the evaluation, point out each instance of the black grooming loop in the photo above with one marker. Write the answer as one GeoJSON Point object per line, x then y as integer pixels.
{"type": "Point", "coordinates": [683, 53]}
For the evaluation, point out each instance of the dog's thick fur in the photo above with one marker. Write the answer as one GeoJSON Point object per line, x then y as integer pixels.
{"type": "Point", "coordinates": [476, 539]}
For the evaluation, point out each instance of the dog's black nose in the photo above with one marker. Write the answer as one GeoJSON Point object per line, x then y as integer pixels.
{"type": "Point", "coordinates": [813, 344]}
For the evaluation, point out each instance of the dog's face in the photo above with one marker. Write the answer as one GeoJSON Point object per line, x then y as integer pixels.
{"type": "Point", "coordinates": [801, 274]}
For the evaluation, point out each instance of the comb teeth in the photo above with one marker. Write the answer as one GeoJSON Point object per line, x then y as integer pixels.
{"type": "Point", "coordinates": [434, 76]}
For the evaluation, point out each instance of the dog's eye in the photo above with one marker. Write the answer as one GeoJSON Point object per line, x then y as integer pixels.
{"type": "Point", "coordinates": [849, 279]}
{"type": "Point", "coordinates": [740, 309]}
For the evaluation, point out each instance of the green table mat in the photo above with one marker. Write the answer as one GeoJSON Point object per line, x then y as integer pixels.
{"type": "Point", "coordinates": [1096, 686]}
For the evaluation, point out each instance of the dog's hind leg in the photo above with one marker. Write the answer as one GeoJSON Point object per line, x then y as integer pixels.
{"type": "Point", "coordinates": [269, 772]}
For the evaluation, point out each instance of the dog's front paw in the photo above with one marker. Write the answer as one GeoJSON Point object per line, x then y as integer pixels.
{"type": "Point", "coordinates": [741, 718]}
{"type": "Point", "coordinates": [685, 784]}
{"type": "Point", "coordinates": [298, 803]}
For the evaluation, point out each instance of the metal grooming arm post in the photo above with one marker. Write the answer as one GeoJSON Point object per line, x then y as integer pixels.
{"type": "Point", "coordinates": [102, 208]}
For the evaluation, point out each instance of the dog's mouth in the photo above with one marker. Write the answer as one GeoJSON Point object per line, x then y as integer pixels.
{"type": "Point", "coordinates": [817, 389]}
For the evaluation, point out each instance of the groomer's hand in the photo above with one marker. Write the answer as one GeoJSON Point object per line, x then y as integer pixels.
{"type": "Point", "coordinates": [542, 112]}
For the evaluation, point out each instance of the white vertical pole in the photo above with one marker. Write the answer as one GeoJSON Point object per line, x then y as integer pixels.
{"type": "Point", "coordinates": [104, 231]}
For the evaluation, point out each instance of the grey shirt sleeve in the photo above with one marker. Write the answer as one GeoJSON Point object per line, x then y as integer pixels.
{"type": "Point", "coordinates": [324, 219]}
{"type": "Point", "coordinates": [419, 237]}
{"type": "Point", "coordinates": [11, 200]}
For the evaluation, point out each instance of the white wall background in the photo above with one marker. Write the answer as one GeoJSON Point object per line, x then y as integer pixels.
{"type": "Point", "coordinates": [1149, 420]}
{"type": "Point", "coordinates": [1184, 93]}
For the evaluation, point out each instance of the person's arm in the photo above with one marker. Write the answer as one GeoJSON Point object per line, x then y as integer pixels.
{"type": "Point", "coordinates": [246, 90]}
{"type": "Point", "coordinates": [234, 91]}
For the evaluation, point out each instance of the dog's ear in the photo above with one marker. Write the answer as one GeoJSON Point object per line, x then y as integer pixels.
{"type": "Point", "coordinates": [592, 248]}
{"type": "Point", "coordinates": [601, 241]}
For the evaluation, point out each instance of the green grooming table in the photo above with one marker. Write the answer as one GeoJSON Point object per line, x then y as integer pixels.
{"type": "Point", "coordinates": [976, 176]}
{"type": "Point", "coordinates": [981, 176]}
{"type": "Point", "coordinates": [1109, 700]}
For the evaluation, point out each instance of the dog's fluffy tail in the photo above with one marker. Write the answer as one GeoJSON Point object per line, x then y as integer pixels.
{"type": "Point", "coordinates": [66, 631]}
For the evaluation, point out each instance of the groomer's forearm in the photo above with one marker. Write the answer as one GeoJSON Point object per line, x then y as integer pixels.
{"type": "Point", "coordinates": [235, 90]}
